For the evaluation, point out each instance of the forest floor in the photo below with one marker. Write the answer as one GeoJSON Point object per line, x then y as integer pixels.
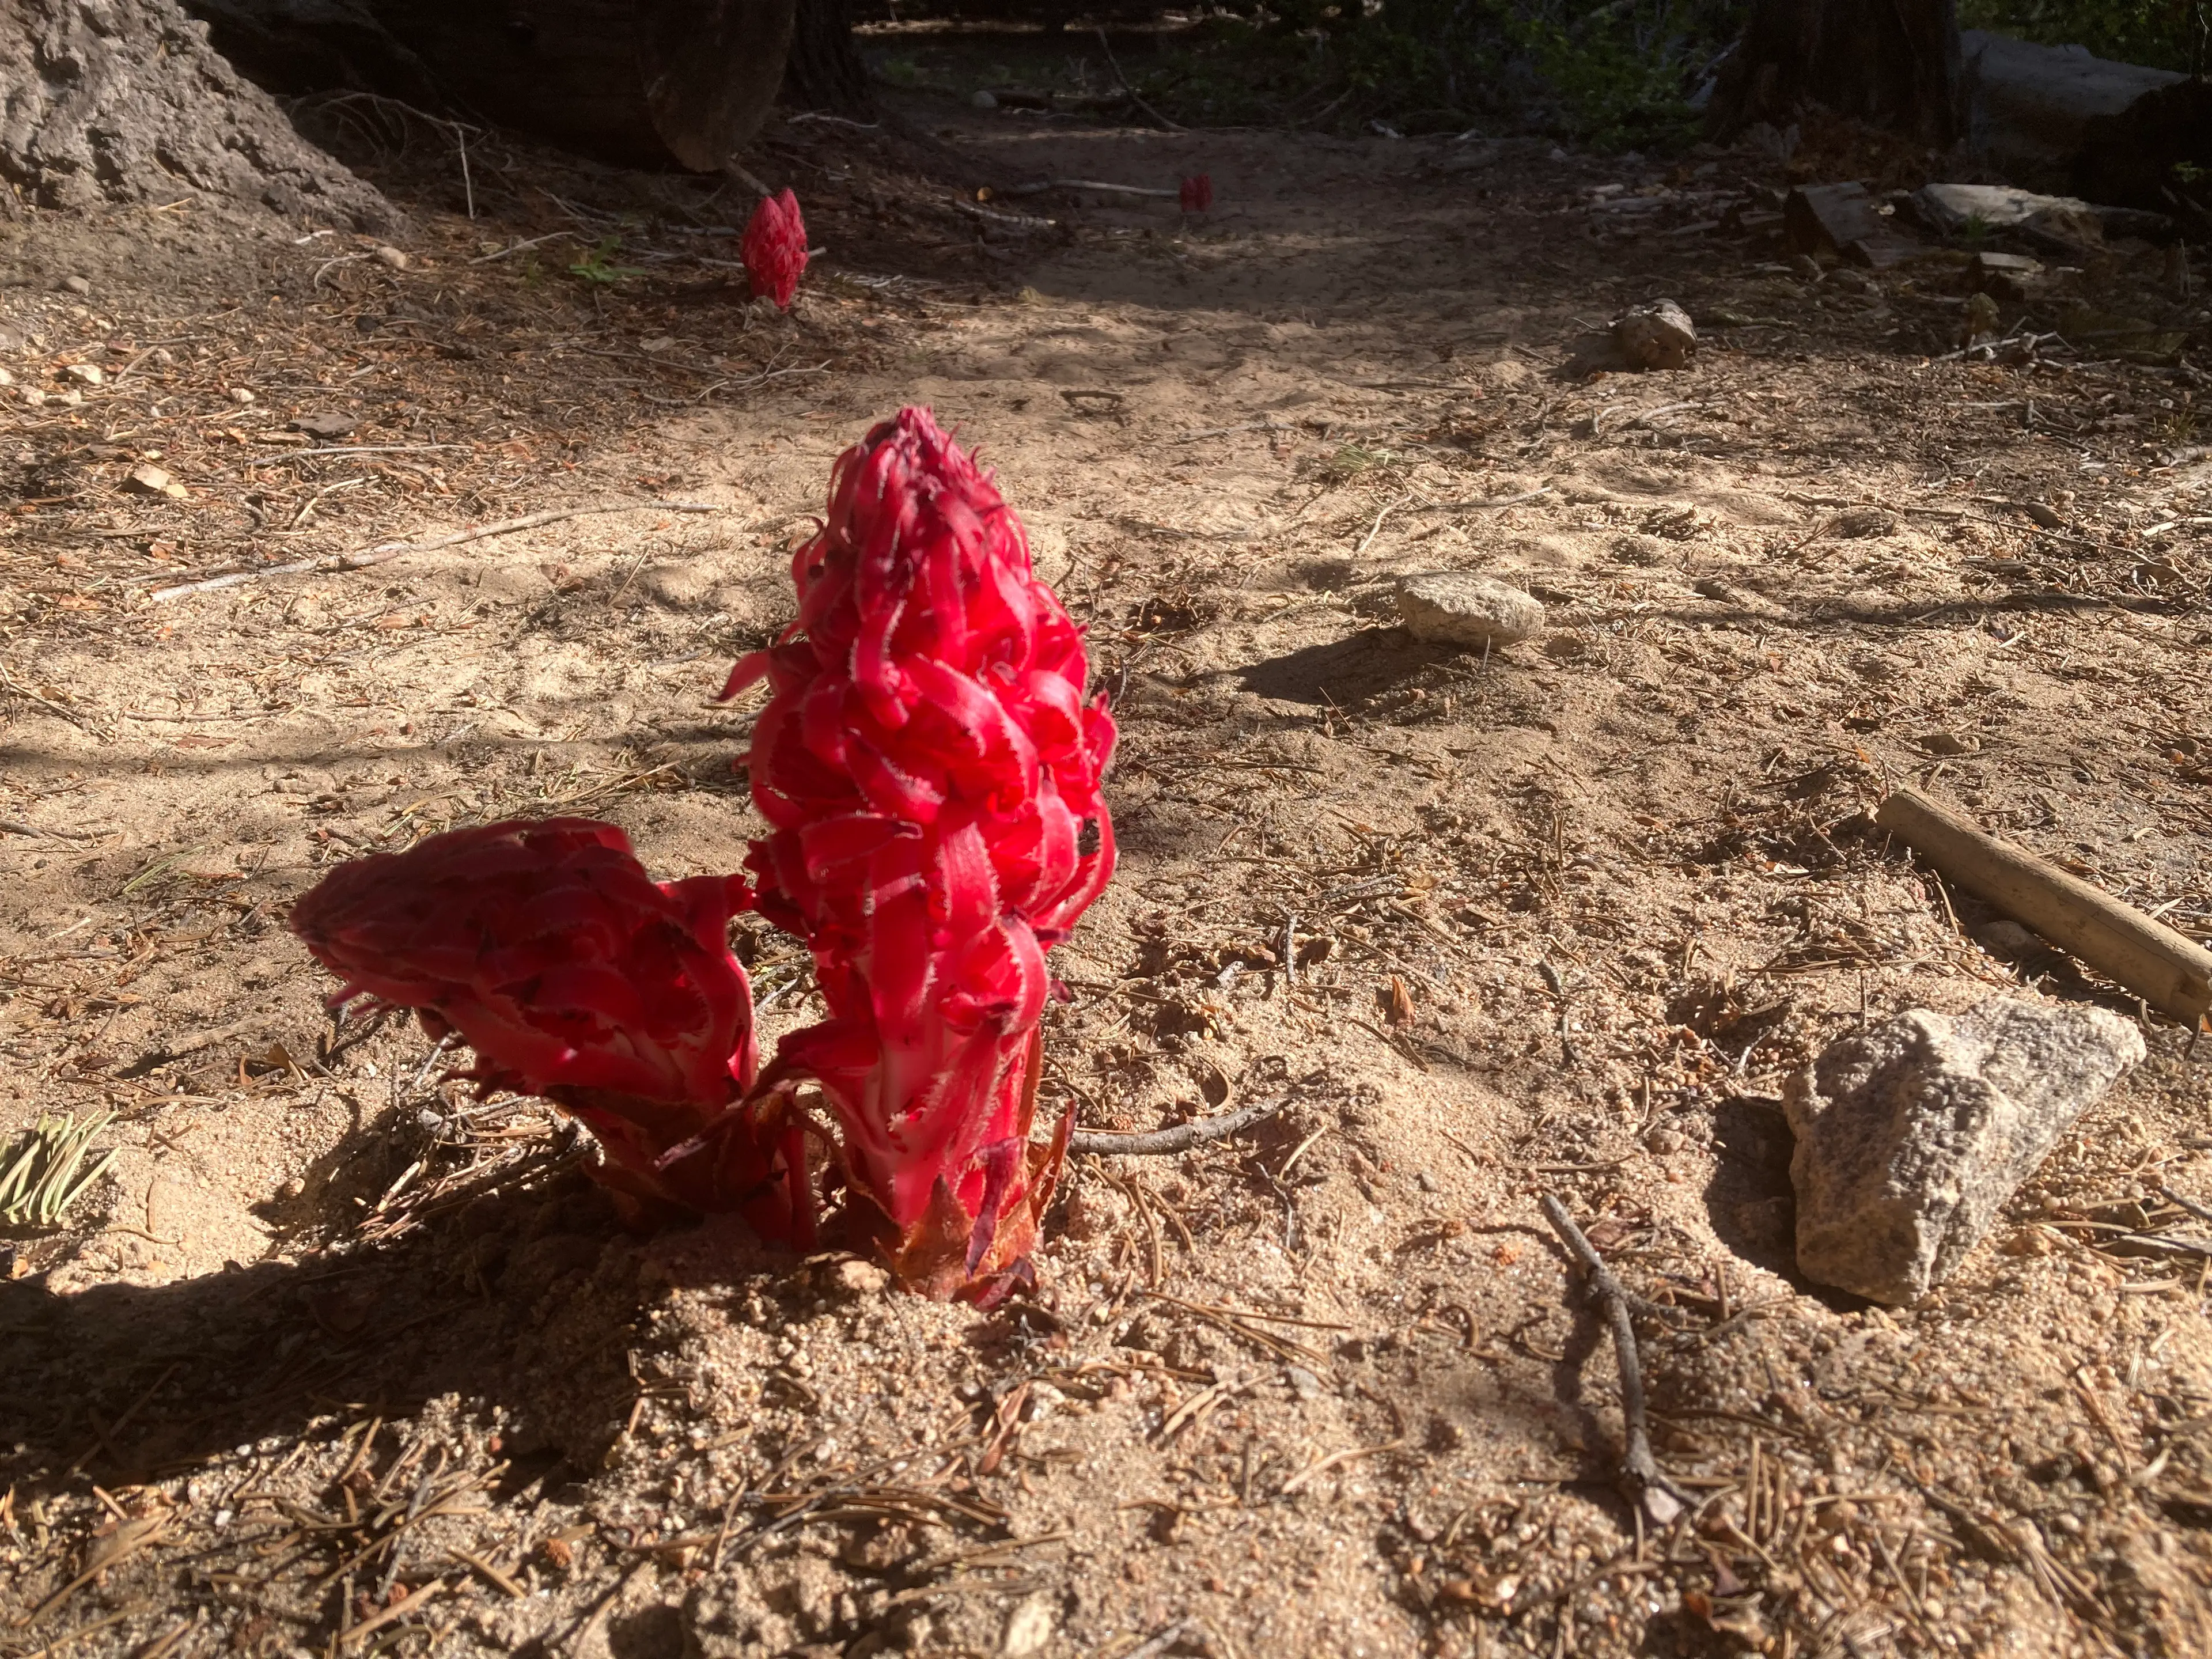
{"type": "Point", "coordinates": [335, 1360]}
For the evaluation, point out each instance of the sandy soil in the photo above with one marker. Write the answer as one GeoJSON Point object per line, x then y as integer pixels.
{"type": "Point", "coordinates": [336, 1361]}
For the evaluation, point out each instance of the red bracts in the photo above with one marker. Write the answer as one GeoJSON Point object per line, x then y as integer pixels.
{"type": "Point", "coordinates": [1196, 193]}
{"type": "Point", "coordinates": [573, 975]}
{"type": "Point", "coordinates": [932, 774]}
{"type": "Point", "coordinates": [773, 248]}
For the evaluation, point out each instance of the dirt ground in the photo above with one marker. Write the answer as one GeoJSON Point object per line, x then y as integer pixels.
{"type": "Point", "coordinates": [338, 1361]}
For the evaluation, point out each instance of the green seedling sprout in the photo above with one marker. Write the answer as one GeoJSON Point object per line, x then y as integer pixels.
{"type": "Point", "coordinates": [597, 266]}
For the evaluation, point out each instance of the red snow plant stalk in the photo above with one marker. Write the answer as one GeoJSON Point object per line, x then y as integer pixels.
{"type": "Point", "coordinates": [573, 975]}
{"type": "Point", "coordinates": [1196, 193]}
{"type": "Point", "coordinates": [931, 772]}
{"type": "Point", "coordinates": [773, 248]}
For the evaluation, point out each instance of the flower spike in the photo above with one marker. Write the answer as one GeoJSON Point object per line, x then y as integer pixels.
{"type": "Point", "coordinates": [931, 775]}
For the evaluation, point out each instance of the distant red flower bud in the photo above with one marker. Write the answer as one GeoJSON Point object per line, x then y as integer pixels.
{"type": "Point", "coordinates": [773, 248]}
{"type": "Point", "coordinates": [547, 948]}
{"type": "Point", "coordinates": [1197, 193]}
{"type": "Point", "coordinates": [931, 775]}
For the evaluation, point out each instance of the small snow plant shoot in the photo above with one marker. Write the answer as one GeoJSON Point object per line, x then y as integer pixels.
{"type": "Point", "coordinates": [773, 248]}
{"type": "Point", "coordinates": [1195, 193]}
{"type": "Point", "coordinates": [931, 772]}
{"type": "Point", "coordinates": [576, 976]}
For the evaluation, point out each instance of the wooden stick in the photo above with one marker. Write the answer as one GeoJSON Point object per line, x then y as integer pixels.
{"type": "Point", "coordinates": [1640, 1473]}
{"type": "Point", "coordinates": [1180, 1139]}
{"type": "Point", "coordinates": [1114, 63]}
{"type": "Point", "coordinates": [361, 558]}
{"type": "Point", "coordinates": [1038, 186]}
{"type": "Point", "coordinates": [2173, 973]}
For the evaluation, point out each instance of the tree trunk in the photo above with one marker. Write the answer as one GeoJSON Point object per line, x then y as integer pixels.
{"type": "Point", "coordinates": [641, 82]}
{"type": "Point", "coordinates": [124, 101]}
{"type": "Point", "coordinates": [825, 70]}
{"type": "Point", "coordinates": [1892, 62]}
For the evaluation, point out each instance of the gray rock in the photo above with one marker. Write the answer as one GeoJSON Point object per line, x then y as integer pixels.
{"type": "Point", "coordinates": [1656, 336]}
{"type": "Point", "coordinates": [2007, 938]}
{"type": "Point", "coordinates": [75, 285]}
{"type": "Point", "coordinates": [1451, 607]}
{"type": "Point", "coordinates": [1911, 1135]}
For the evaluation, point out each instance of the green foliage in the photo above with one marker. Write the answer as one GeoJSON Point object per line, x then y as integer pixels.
{"type": "Point", "coordinates": [45, 1174]}
{"type": "Point", "coordinates": [597, 267]}
{"type": "Point", "coordinates": [2164, 33]}
{"type": "Point", "coordinates": [1618, 75]}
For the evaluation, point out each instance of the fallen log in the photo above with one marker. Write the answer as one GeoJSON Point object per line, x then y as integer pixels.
{"type": "Point", "coordinates": [2172, 974]}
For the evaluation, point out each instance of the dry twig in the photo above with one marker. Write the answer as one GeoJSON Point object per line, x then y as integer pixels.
{"type": "Point", "coordinates": [1641, 1475]}
{"type": "Point", "coordinates": [1114, 63]}
{"type": "Point", "coordinates": [383, 552]}
{"type": "Point", "coordinates": [1181, 1138]}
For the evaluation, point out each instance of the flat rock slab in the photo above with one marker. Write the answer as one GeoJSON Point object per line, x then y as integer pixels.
{"type": "Point", "coordinates": [1912, 1134]}
{"type": "Point", "coordinates": [1477, 613]}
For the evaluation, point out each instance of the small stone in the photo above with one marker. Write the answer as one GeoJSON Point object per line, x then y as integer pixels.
{"type": "Point", "coordinates": [75, 285]}
{"type": "Point", "coordinates": [1664, 1142]}
{"type": "Point", "coordinates": [327, 425]}
{"type": "Point", "coordinates": [1477, 613]}
{"type": "Point", "coordinates": [6, 379]}
{"type": "Point", "coordinates": [32, 398]}
{"type": "Point", "coordinates": [2006, 938]}
{"type": "Point", "coordinates": [1044, 1400]}
{"type": "Point", "coordinates": [71, 398]}
{"type": "Point", "coordinates": [1857, 523]}
{"type": "Point", "coordinates": [1950, 745]}
{"type": "Point", "coordinates": [982, 99]}
{"type": "Point", "coordinates": [858, 1279]}
{"type": "Point", "coordinates": [1912, 1135]}
{"type": "Point", "coordinates": [238, 394]}
{"type": "Point", "coordinates": [1028, 1627]}
{"type": "Point", "coordinates": [153, 481]}
{"type": "Point", "coordinates": [85, 373]}
{"type": "Point", "coordinates": [387, 255]}
{"type": "Point", "coordinates": [1658, 336]}
{"type": "Point", "coordinates": [1303, 1383]}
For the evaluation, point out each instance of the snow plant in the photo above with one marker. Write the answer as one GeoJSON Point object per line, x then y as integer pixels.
{"type": "Point", "coordinates": [773, 248]}
{"type": "Point", "coordinates": [931, 772]}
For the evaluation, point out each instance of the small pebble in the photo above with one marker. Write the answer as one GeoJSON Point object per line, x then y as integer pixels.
{"type": "Point", "coordinates": [980, 99]}
{"type": "Point", "coordinates": [391, 256]}
{"type": "Point", "coordinates": [238, 394]}
{"type": "Point", "coordinates": [76, 285]}
{"type": "Point", "coordinates": [86, 373]}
